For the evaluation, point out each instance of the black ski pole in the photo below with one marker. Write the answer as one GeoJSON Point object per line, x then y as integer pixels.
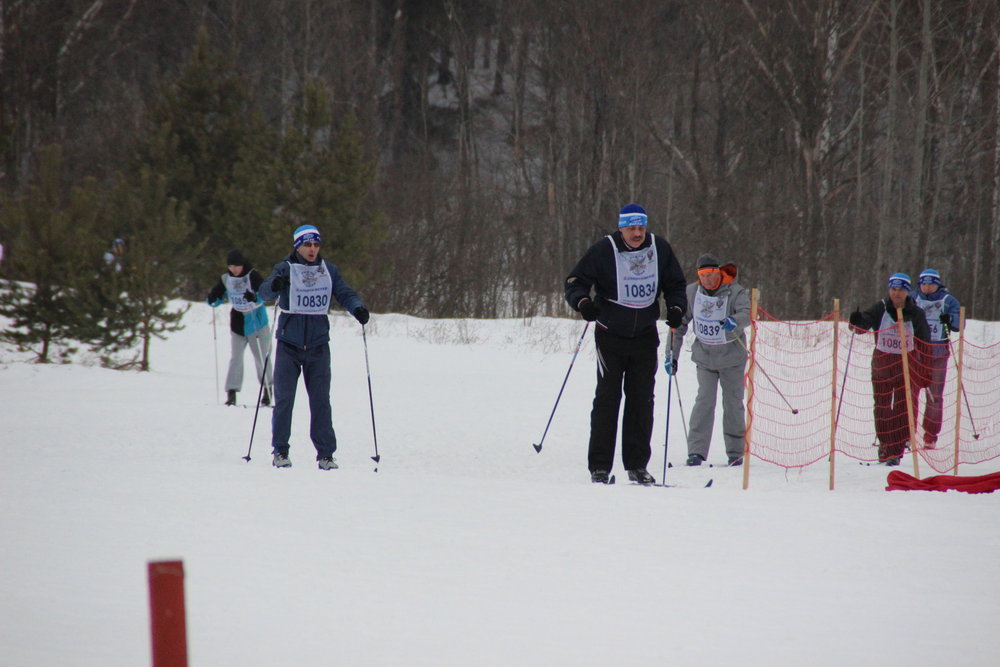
{"type": "Point", "coordinates": [843, 383]}
{"type": "Point", "coordinates": [680, 404]}
{"type": "Point", "coordinates": [260, 391]}
{"type": "Point", "coordinates": [263, 373]}
{"type": "Point", "coordinates": [968, 408]}
{"type": "Point", "coordinates": [215, 350]}
{"type": "Point", "coordinates": [538, 447]}
{"type": "Point", "coordinates": [371, 401]}
{"type": "Point", "coordinates": [761, 368]}
{"type": "Point", "coordinates": [668, 365]}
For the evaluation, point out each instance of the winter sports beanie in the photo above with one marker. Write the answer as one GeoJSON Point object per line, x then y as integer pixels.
{"type": "Point", "coordinates": [305, 233]}
{"type": "Point", "coordinates": [707, 259]}
{"type": "Point", "coordinates": [235, 258]}
{"type": "Point", "coordinates": [899, 281]}
{"type": "Point", "coordinates": [631, 215]}
{"type": "Point", "coordinates": [930, 277]}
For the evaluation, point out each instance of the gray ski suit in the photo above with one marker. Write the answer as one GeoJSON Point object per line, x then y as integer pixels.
{"type": "Point", "coordinates": [720, 359]}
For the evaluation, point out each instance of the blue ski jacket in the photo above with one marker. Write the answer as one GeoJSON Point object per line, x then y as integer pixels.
{"type": "Point", "coordinates": [305, 331]}
{"type": "Point", "coordinates": [940, 302]}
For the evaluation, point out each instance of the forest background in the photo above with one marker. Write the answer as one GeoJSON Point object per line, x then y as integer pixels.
{"type": "Point", "coordinates": [459, 156]}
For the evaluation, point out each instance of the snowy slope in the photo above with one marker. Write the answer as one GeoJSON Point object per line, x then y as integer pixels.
{"type": "Point", "coordinates": [466, 547]}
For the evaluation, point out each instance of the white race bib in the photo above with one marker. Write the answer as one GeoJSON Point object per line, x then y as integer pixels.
{"type": "Point", "coordinates": [933, 309]}
{"type": "Point", "coordinates": [708, 311]}
{"type": "Point", "coordinates": [638, 276]}
{"type": "Point", "coordinates": [888, 336]}
{"type": "Point", "coordinates": [310, 289]}
{"type": "Point", "coordinates": [236, 287]}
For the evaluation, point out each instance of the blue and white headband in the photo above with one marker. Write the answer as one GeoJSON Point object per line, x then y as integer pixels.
{"type": "Point", "coordinates": [930, 277]}
{"type": "Point", "coordinates": [631, 215]}
{"type": "Point", "coordinates": [899, 281]}
{"type": "Point", "coordinates": [305, 233]}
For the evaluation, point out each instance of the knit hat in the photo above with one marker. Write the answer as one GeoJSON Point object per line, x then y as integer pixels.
{"type": "Point", "coordinates": [930, 277]}
{"type": "Point", "coordinates": [235, 258]}
{"type": "Point", "coordinates": [305, 233]}
{"type": "Point", "coordinates": [707, 260]}
{"type": "Point", "coordinates": [899, 281]}
{"type": "Point", "coordinates": [631, 215]}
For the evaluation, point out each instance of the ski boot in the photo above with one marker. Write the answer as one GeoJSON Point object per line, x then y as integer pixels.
{"type": "Point", "coordinates": [640, 476]}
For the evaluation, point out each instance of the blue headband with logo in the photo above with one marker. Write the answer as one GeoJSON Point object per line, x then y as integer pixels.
{"type": "Point", "coordinates": [930, 277]}
{"type": "Point", "coordinates": [305, 233]}
{"type": "Point", "coordinates": [631, 215]}
{"type": "Point", "coordinates": [899, 281]}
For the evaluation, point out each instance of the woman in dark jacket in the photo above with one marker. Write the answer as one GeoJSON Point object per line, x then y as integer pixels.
{"type": "Point", "coordinates": [888, 386]}
{"type": "Point", "coordinates": [247, 322]}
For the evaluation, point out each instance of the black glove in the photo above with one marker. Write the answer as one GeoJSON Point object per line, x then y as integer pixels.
{"type": "Point", "coordinates": [588, 310]}
{"type": "Point", "coordinates": [250, 296]}
{"type": "Point", "coordinates": [858, 320]}
{"type": "Point", "coordinates": [670, 365]}
{"type": "Point", "coordinates": [675, 316]}
{"type": "Point", "coordinates": [361, 315]}
{"type": "Point", "coordinates": [945, 319]}
{"type": "Point", "coordinates": [279, 283]}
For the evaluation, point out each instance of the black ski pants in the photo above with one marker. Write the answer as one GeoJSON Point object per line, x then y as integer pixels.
{"type": "Point", "coordinates": [629, 364]}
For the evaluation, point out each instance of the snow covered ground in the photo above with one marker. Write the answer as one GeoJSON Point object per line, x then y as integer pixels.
{"type": "Point", "coordinates": [465, 547]}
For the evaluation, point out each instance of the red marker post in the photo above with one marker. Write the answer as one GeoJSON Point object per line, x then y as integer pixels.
{"type": "Point", "coordinates": [166, 613]}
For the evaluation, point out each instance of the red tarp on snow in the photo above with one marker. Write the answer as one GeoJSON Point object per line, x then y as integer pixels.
{"type": "Point", "coordinates": [900, 481]}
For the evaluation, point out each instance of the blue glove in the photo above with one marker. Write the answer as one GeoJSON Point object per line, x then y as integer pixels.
{"type": "Point", "coordinates": [728, 324]}
{"type": "Point", "coordinates": [670, 365]}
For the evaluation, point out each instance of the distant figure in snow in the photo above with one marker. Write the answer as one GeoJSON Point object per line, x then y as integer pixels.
{"type": "Point", "coordinates": [305, 285]}
{"type": "Point", "coordinates": [719, 308]}
{"type": "Point", "coordinates": [617, 285]}
{"type": "Point", "coordinates": [248, 323]}
{"type": "Point", "coordinates": [115, 254]}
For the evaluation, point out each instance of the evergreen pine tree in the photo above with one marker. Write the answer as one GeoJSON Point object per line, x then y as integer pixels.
{"type": "Point", "coordinates": [160, 248]}
{"type": "Point", "coordinates": [200, 130]}
{"type": "Point", "coordinates": [317, 173]}
{"type": "Point", "coordinates": [251, 206]}
{"type": "Point", "coordinates": [52, 247]}
{"type": "Point", "coordinates": [328, 181]}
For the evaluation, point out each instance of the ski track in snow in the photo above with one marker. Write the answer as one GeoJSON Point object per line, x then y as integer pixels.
{"type": "Point", "coordinates": [466, 547]}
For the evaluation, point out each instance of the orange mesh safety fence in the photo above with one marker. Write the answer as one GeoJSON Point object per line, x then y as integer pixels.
{"type": "Point", "coordinates": [799, 405]}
